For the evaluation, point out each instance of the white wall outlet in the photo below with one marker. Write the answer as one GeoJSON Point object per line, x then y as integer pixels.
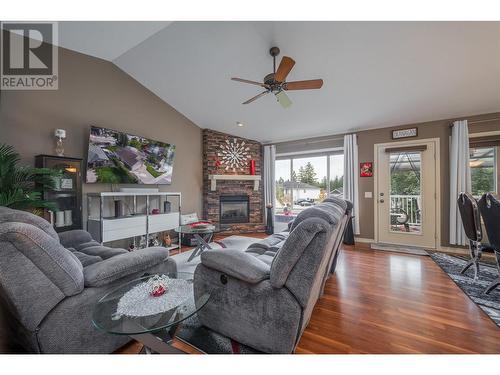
{"type": "Point", "coordinates": [368, 194]}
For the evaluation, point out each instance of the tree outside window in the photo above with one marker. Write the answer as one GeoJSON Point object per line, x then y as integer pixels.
{"type": "Point", "coordinates": [304, 181]}
{"type": "Point", "coordinates": [483, 170]}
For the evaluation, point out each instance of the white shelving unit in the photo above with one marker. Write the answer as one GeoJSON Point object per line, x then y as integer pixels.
{"type": "Point", "coordinates": [105, 229]}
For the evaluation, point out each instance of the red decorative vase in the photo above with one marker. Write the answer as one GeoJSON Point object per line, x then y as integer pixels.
{"type": "Point", "coordinates": [252, 167]}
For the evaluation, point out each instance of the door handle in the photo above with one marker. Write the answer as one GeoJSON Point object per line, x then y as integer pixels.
{"type": "Point", "coordinates": [381, 201]}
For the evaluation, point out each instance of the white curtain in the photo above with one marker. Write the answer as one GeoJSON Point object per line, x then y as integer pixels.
{"type": "Point", "coordinates": [460, 180]}
{"type": "Point", "coordinates": [269, 182]}
{"type": "Point", "coordinates": [351, 176]}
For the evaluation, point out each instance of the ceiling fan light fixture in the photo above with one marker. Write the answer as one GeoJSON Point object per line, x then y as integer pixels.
{"type": "Point", "coordinates": [283, 99]}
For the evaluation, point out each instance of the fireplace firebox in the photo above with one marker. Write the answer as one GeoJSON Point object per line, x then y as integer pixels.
{"type": "Point", "coordinates": [234, 209]}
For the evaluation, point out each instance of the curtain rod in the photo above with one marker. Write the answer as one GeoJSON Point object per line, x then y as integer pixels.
{"type": "Point", "coordinates": [479, 121]}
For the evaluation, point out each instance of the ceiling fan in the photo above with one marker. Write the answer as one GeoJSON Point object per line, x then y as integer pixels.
{"type": "Point", "coordinates": [276, 82]}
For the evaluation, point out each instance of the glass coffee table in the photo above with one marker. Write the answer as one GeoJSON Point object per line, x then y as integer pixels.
{"type": "Point", "coordinates": [124, 310]}
{"type": "Point", "coordinates": [203, 236]}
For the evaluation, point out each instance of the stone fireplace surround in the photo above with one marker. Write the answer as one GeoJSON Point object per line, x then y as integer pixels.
{"type": "Point", "coordinates": [212, 140]}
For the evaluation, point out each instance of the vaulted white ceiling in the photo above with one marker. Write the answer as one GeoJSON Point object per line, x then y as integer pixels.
{"type": "Point", "coordinates": [106, 40]}
{"type": "Point", "coordinates": [375, 74]}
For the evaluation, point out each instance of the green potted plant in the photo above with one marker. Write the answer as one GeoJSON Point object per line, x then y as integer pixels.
{"type": "Point", "coordinates": [21, 187]}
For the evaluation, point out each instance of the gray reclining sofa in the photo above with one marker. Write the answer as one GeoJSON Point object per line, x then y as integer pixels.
{"type": "Point", "coordinates": [51, 283]}
{"type": "Point", "coordinates": [264, 296]}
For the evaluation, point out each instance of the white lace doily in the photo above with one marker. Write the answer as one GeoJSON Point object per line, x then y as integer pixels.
{"type": "Point", "coordinates": [138, 302]}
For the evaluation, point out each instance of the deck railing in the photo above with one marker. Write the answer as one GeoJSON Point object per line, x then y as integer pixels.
{"type": "Point", "coordinates": [411, 204]}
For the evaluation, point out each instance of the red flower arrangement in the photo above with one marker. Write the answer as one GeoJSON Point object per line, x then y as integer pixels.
{"type": "Point", "coordinates": [158, 291]}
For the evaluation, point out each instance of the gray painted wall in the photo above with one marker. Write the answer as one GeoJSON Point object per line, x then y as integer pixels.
{"type": "Point", "coordinates": [434, 129]}
{"type": "Point", "coordinates": [96, 92]}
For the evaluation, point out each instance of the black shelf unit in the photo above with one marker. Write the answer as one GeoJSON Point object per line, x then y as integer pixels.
{"type": "Point", "coordinates": [68, 195]}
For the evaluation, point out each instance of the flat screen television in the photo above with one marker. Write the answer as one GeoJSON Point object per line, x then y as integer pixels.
{"type": "Point", "coordinates": [120, 158]}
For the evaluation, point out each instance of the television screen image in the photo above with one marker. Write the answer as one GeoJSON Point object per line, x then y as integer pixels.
{"type": "Point", "coordinates": [121, 158]}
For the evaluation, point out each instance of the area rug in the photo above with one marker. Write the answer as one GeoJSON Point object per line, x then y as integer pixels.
{"type": "Point", "coordinates": [237, 242]}
{"type": "Point", "coordinates": [204, 339]}
{"type": "Point", "coordinates": [191, 331]}
{"type": "Point", "coordinates": [489, 303]}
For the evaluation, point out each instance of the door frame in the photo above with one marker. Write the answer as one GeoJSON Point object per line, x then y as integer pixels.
{"type": "Point", "coordinates": [437, 179]}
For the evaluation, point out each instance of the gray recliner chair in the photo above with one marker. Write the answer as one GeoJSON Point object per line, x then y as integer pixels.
{"type": "Point", "coordinates": [265, 299]}
{"type": "Point", "coordinates": [51, 283]}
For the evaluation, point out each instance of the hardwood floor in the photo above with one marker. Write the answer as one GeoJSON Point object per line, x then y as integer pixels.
{"type": "Point", "coordinates": [383, 302]}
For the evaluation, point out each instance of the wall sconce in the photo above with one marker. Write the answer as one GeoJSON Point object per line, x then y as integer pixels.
{"type": "Point", "coordinates": [60, 135]}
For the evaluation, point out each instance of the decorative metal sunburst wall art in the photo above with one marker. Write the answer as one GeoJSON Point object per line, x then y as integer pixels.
{"type": "Point", "coordinates": [234, 155]}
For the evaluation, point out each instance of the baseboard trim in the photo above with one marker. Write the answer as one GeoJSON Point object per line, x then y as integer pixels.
{"type": "Point", "coordinates": [399, 248]}
{"type": "Point", "coordinates": [464, 252]}
{"type": "Point", "coordinates": [406, 249]}
{"type": "Point", "coordinates": [453, 250]}
{"type": "Point", "coordinates": [363, 240]}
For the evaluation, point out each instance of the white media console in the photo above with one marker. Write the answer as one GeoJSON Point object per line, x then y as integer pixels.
{"type": "Point", "coordinates": [138, 221]}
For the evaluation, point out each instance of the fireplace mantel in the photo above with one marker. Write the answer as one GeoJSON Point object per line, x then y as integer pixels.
{"type": "Point", "coordinates": [233, 177]}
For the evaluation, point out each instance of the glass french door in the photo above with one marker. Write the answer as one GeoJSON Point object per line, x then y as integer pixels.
{"type": "Point", "coordinates": [406, 194]}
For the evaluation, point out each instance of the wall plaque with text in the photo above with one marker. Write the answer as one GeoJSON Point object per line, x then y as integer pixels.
{"type": "Point", "coordinates": [404, 133]}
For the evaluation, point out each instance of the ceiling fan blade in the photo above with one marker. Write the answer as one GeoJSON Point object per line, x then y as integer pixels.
{"type": "Point", "coordinates": [256, 97]}
{"type": "Point", "coordinates": [285, 67]}
{"type": "Point", "coordinates": [303, 85]}
{"type": "Point", "coordinates": [283, 99]}
{"type": "Point", "coordinates": [250, 82]}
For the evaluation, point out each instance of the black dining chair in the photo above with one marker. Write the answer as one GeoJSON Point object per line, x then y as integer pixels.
{"type": "Point", "coordinates": [489, 207]}
{"type": "Point", "coordinates": [471, 221]}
